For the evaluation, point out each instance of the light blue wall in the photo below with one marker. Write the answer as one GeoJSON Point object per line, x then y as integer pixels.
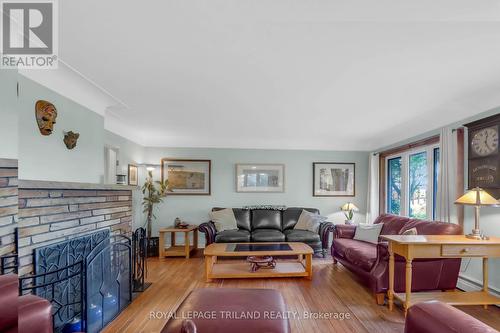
{"type": "Point", "coordinates": [129, 153]}
{"type": "Point", "coordinates": [490, 217]}
{"type": "Point", "coordinates": [298, 179]}
{"type": "Point", "coordinates": [46, 157]}
{"type": "Point", "coordinates": [8, 114]}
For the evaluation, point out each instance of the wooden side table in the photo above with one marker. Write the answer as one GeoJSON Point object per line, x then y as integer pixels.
{"type": "Point", "coordinates": [440, 246]}
{"type": "Point", "coordinates": [178, 250]}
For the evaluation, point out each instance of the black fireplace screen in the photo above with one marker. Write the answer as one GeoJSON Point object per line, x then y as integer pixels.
{"type": "Point", "coordinates": [109, 284]}
{"type": "Point", "coordinates": [87, 279]}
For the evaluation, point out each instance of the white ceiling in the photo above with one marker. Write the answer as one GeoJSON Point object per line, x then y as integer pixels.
{"type": "Point", "coordinates": [342, 75]}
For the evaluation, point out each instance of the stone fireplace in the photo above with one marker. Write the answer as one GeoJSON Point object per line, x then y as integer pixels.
{"type": "Point", "coordinates": [51, 212]}
{"type": "Point", "coordinates": [8, 210]}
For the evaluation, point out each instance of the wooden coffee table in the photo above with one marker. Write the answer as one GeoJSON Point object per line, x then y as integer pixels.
{"type": "Point", "coordinates": [301, 267]}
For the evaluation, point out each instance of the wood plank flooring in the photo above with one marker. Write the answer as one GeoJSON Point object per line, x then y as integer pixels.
{"type": "Point", "coordinates": [332, 290]}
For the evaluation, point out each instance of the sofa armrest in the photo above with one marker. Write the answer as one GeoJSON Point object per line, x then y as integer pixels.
{"type": "Point", "coordinates": [208, 228]}
{"type": "Point", "coordinates": [382, 252]}
{"type": "Point", "coordinates": [34, 314]}
{"type": "Point", "coordinates": [324, 231]}
{"type": "Point", "coordinates": [434, 316]}
{"type": "Point", "coordinates": [344, 231]}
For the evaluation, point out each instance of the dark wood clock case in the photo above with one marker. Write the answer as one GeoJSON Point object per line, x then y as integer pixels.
{"type": "Point", "coordinates": [484, 171]}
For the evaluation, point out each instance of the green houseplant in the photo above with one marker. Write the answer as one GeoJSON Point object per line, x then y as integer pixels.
{"type": "Point", "coordinates": [154, 192]}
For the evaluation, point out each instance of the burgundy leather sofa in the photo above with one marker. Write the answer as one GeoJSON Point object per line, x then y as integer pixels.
{"type": "Point", "coordinates": [22, 314]}
{"type": "Point", "coordinates": [222, 309]}
{"type": "Point", "coordinates": [370, 262]}
{"type": "Point", "coordinates": [433, 316]}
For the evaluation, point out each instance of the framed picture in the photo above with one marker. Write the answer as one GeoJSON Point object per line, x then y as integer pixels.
{"type": "Point", "coordinates": [133, 178]}
{"type": "Point", "coordinates": [334, 179]}
{"type": "Point", "coordinates": [266, 178]}
{"type": "Point", "coordinates": [186, 177]}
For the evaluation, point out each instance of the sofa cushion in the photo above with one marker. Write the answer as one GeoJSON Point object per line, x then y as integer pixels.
{"type": "Point", "coordinates": [242, 217]}
{"type": "Point", "coordinates": [361, 254]}
{"type": "Point", "coordinates": [433, 228]}
{"type": "Point", "coordinates": [267, 235]}
{"type": "Point", "coordinates": [309, 221]}
{"type": "Point", "coordinates": [392, 223]}
{"type": "Point", "coordinates": [224, 220]}
{"type": "Point", "coordinates": [410, 232]}
{"type": "Point", "coordinates": [291, 216]}
{"type": "Point", "coordinates": [368, 232]}
{"type": "Point", "coordinates": [233, 236]}
{"type": "Point", "coordinates": [302, 236]}
{"type": "Point", "coordinates": [266, 219]}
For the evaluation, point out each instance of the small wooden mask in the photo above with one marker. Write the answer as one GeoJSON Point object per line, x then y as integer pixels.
{"type": "Point", "coordinates": [70, 139]}
{"type": "Point", "coordinates": [46, 114]}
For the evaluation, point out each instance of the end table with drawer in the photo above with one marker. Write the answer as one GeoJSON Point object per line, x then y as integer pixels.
{"type": "Point", "coordinates": [440, 246]}
{"type": "Point", "coordinates": [178, 250]}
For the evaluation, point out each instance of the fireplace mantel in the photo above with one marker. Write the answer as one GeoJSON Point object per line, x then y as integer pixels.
{"type": "Point", "coordinates": [42, 184]}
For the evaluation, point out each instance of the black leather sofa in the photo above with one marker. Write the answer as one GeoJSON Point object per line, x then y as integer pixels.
{"type": "Point", "coordinates": [266, 225]}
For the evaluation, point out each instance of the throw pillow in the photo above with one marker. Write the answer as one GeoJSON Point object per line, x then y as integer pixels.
{"type": "Point", "coordinates": [309, 221]}
{"type": "Point", "coordinates": [410, 232]}
{"type": "Point", "coordinates": [368, 232]}
{"type": "Point", "coordinates": [224, 219]}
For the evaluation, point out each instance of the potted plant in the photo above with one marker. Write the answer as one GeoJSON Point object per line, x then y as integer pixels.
{"type": "Point", "coordinates": [154, 192]}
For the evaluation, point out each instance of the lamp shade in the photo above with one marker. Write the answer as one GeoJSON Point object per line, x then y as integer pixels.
{"type": "Point", "coordinates": [349, 206]}
{"type": "Point", "coordinates": [477, 197]}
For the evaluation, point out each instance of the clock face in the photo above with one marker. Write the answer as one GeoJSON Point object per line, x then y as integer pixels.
{"type": "Point", "coordinates": [485, 141]}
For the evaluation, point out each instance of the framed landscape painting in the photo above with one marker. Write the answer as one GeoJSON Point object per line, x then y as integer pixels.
{"type": "Point", "coordinates": [334, 179]}
{"type": "Point", "coordinates": [186, 177]}
{"type": "Point", "coordinates": [266, 178]}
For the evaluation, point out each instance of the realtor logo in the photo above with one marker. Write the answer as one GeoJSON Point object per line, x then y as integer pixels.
{"type": "Point", "coordinates": [29, 34]}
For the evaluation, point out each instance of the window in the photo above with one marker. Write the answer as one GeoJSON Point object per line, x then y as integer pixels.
{"type": "Point", "coordinates": [394, 186]}
{"type": "Point", "coordinates": [435, 180]}
{"type": "Point", "coordinates": [411, 182]}
{"type": "Point", "coordinates": [417, 187]}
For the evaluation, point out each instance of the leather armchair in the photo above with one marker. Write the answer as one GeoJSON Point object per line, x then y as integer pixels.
{"type": "Point", "coordinates": [8, 299]}
{"type": "Point", "coordinates": [433, 316]}
{"type": "Point", "coordinates": [263, 225]}
{"type": "Point", "coordinates": [370, 262]}
{"type": "Point", "coordinates": [22, 314]}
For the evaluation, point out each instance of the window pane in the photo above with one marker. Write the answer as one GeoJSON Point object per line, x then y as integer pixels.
{"type": "Point", "coordinates": [435, 181]}
{"type": "Point", "coordinates": [394, 186]}
{"type": "Point", "coordinates": [418, 185]}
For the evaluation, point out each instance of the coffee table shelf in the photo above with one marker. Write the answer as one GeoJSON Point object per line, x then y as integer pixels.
{"type": "Point", "coordinates": [239, 269]}
{"type": "Point", "coordinates": [242, 270]}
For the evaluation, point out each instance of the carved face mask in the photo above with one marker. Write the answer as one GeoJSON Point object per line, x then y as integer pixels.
{"type": "Point", "coordinates": [70, 139]}
{"type": "Point", "coordinates": [46, 114]}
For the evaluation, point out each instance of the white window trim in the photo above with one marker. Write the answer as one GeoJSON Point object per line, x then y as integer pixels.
{"type": "Point", "coordinates": [405, 184]}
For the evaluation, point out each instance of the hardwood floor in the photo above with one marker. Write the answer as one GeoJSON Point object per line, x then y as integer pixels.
{"type": "Point", "coordinates": [332, 290]}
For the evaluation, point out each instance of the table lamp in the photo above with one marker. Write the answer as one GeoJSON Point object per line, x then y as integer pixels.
{"type": "Point", "coordinates": [476, 197]}
{"type": "Point", "coordinates": [349, 209]}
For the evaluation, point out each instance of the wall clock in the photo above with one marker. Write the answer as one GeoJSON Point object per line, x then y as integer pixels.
{"type": "Point", "coordinates": [484, 157]}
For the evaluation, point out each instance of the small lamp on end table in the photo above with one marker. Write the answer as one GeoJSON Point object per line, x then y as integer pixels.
{"type": "Point", "coordinates": [349, 209]}
{"type": "Point", "coordinates": [476, 197]}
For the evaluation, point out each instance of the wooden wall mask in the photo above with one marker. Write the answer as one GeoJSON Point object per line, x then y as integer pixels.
{"type": "Point", "coordinates": [70, 139]}
{"type": "Point", "coordinates": [46, 114]}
